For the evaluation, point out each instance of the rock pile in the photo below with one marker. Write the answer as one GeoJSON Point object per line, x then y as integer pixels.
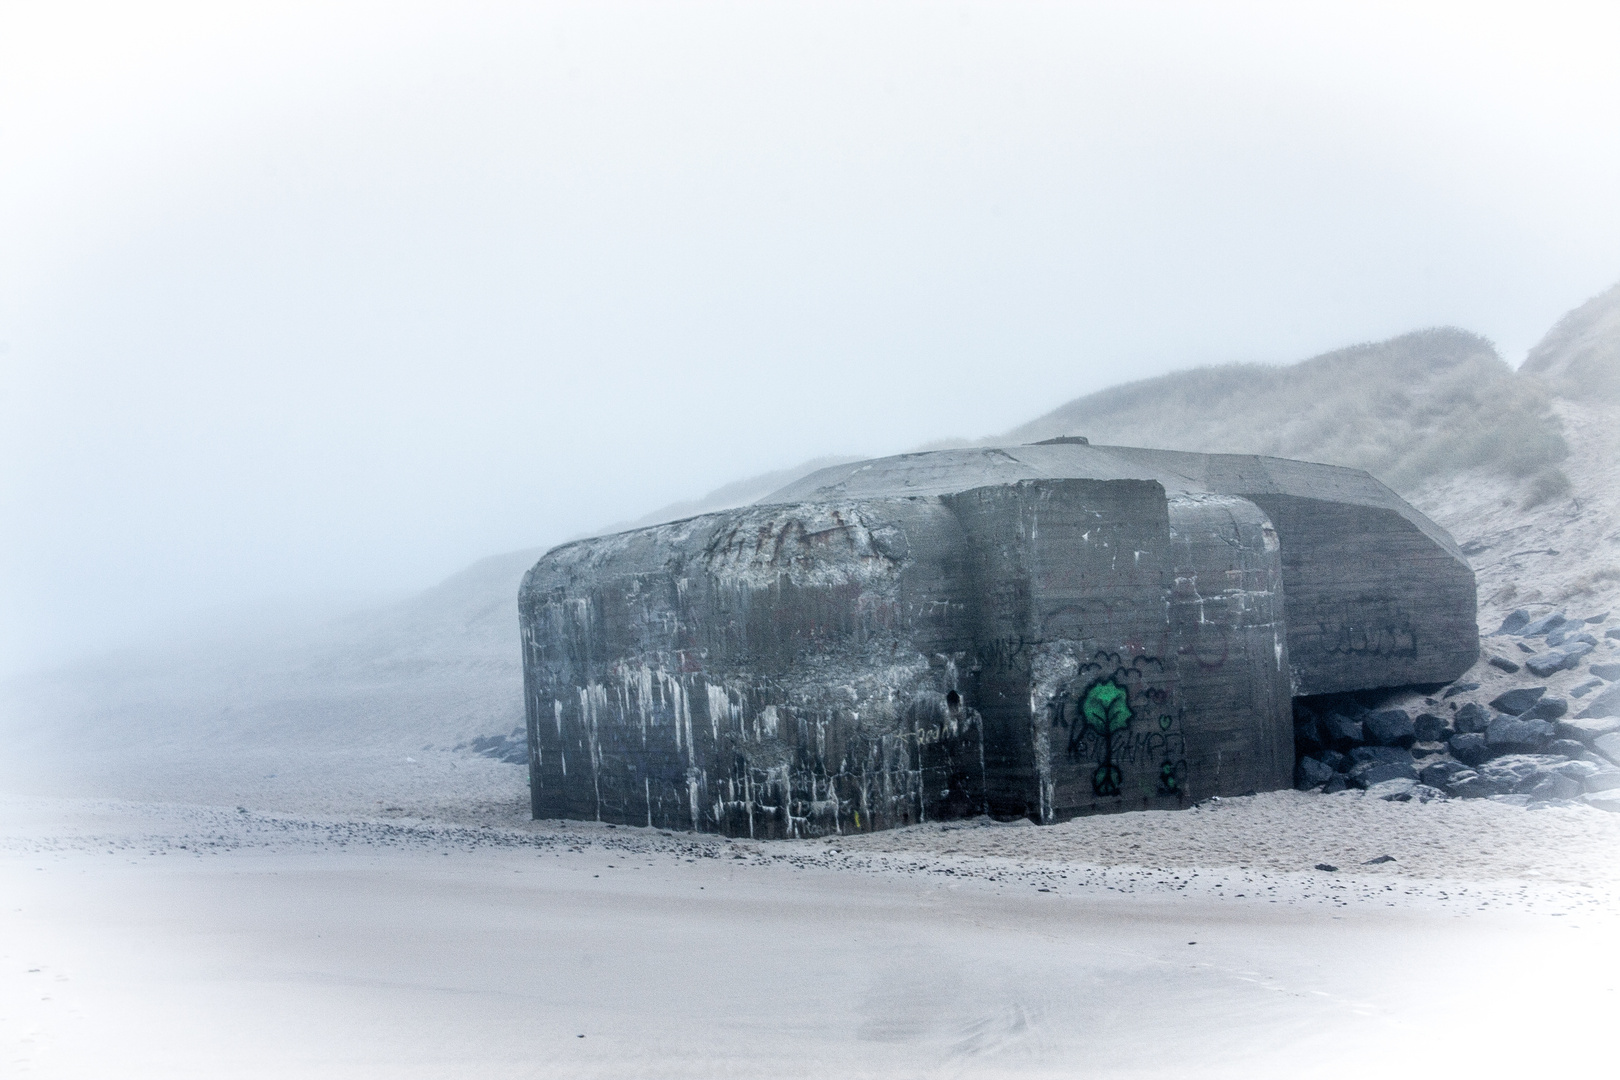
{"type": "Point", "coordinates": [1529, 743]}
{"type": "Point", "coordinates": [512, 748]}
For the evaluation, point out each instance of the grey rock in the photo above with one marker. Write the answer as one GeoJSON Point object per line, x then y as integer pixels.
{"type": "Point", "coordinates": [1511, 734]}
{"type": "Point", "coordinates": [1307, 734]}
{"type": "Point", "coordinates": [1423, 793]}
{"type": "Point", "coordinates": [1586, 728]}
{"type": "Point", "coordinates": [1389, 727]}
{"type": "Point", "coordinates": [1371, 773]}
{"type": "Point", "coordinates": [1596, 618]}
{"type": "Point", "coordinates": [1340, 731]}
{"type": "Point", "coordinates": [1459, 688]}
{"type": "Point", "coordinates": [1327, 868]}
{"type": "Point", "coordinates": [1523, 647]}
{"type": "Point", "coordinates": [1606, 778]}
{"type": "Point", "coordinates": [1517, 772]}
{"type": "Point", "coordinates": [1504, 663]}
{"type": "Point", "coordinates": [1610, 672]}
{"type": "Point", "coordinates": [1517, 701]}
{"type": "Point", "coordinates": [1557, 637]}
{"type": "Point", "coordinates": [1395, 789]}
{"type": "Point", "coordinates": [1429, 727]}
{"type": "Point", "coordinates": [1310, 774]}
{"type": "Point", "coordinates": [1612, 632]}
{"type": "Point", "coordinates": [1586, 639]}
{"type": "Point", "coordinates": [1428, 749]}
{"type": "Point", "coordinates": [1468, 784]}
{"type": "Point", "coordinates": [1335, 785]}
{"type": "Point", "coordinates": [1336, 761]}
{"type": "Point", "coordinates": [1604, 800]}
{"type": "Point", "coordinates": [1609, 746]}
{"type": "Point", "coordinates": [1439, 773]}
{"type": "Point", "coordinates": [1570, 748]}
{"type": "Point", "coordinates": [1553, 786]}
{"type": "Point", "coordinates": [1379, 861]}
{"type": "Point", "coordinates": [1566, 659]}
{"type": "Point", "coordinates": [1470, 747]}
{"type": "Point", "coordinates": [1607, 703]}
{"type": "Point", "coordinates": [1576, 651]}
{"type": "Point", "coordinates": [1472, 717]}
{"type": "Point", "coordinates": [1515, 622]}
{"type": "Point", "coordinates": [1543, 665]}
{"type": "Point", "coordinates": [1586, 688]}
{"type": "Point", "coordinates": [1545, 623]}
{"type": "Point", "coordinates": [1548, 708]}
{"type": "Point", "coordinates": [1360, 755]}
{"type": "Point", "coordinates": [1578, 771]}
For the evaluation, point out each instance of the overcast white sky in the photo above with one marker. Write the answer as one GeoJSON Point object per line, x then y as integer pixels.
{"type": "Point", "coordinates": [298, 299]}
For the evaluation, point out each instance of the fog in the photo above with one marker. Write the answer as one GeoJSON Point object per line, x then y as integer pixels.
{"type": "Point", "coordinates": [327, 301]}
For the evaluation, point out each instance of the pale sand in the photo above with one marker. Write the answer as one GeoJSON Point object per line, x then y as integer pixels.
{"type": "Point", "coordinates": [172, 941]}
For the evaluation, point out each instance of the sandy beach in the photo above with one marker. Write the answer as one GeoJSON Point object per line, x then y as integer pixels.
{"type": "Point", "coordinates": [164, 939]}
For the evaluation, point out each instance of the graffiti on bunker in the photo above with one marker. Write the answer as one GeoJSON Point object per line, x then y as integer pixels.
{"type": "Point", "coordinates": [1100, 716]}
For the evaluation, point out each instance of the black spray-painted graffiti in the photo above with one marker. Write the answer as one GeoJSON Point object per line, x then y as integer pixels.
{"type": "Point", "coordinates": [1099, 722]}
{"type": "Point", "coordinates": [1394, 638]}
{"type": "Point", "coordinates": [1104, 710]}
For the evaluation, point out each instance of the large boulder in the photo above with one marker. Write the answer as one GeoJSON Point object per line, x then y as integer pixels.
{"type": "Point", "coordinates": [1552, 786]}
{"type": "Point", "coordinates": [1608, 746]}
{"type": "Point", "coordinates": [1370, 773]}
{"type": "Point", "coordinates": [1472, 717]}
{"type": "Point", "coordinates": [1439, 773]}
{"type": "Point", "coordinates": [1389, 727]}
{"type": "Point", "coordinates": [1340, 731]}
{"type": "Point", "coordinates": [1587, 728]}
{"type": "Point", "coordinates": [1395, 789]}
{"type": "Point", "coordinates": [1360, 755]}
{"type": "Point", "coordinates": [1606, 778]}
{"type": "Point", "coordinates": [1518, 773]}
{"type": "Point", "coordinates": [1512, 734]}
{"type": "Point", "coordinates": [1565, 659]}
{"type": "Point", "coordinates": [1567, 747]}
{"type": "Point", "coordinates": [1468, 784]}
{"type": "Point", "coordinates": [1607, 703]}
{"type": "Point", "coordinates": [1604, 800]}
{"type": "Point", "coordinates": [1548, 708]}
{"type": "Point", "coordinates": [1311, 774]}
{"type": "Point", "coordinates": [1428, 728]}
{"type": "Point", "coordinates": [1470, 747]}
{"type": "Point", "coordinates": [1544, 624]}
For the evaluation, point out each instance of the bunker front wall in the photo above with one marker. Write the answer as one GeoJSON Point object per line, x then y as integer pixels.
{"type": "Point", "coordinates": [769, 672]}
{"type": "Point", "coordinates": [1039, 649]}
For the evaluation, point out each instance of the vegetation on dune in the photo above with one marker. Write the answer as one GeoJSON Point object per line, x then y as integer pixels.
{"type": "Point", "coordinates": [1426, 404]}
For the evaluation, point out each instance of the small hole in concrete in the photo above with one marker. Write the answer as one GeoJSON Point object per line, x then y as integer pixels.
{"type": "Point", "coordinates": [953, 699]}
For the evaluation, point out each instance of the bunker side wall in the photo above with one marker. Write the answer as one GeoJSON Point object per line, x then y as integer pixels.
{"type": "Point", "coordinates": [1371, 600]}
{"type": "Point", "coordinates": [1235, 732]}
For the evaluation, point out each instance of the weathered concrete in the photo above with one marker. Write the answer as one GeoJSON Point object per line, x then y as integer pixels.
{"type": "Point", "coordinates": [1032, 631]}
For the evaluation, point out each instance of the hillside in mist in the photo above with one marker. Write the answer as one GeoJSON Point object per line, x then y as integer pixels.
{"type": "Point", "coordinates": [1433, 401]}
{"type": "Point", "coordinates": [1517, 465]}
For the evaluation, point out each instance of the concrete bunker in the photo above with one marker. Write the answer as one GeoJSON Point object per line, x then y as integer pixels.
{"type": "Point", "coordinates": [1034, 631]}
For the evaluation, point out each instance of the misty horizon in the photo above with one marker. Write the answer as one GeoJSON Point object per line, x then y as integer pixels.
{"type": "Point", "coordinates": [292, 317]}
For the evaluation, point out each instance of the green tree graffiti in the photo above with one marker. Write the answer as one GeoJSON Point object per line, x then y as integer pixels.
{"type": "Point", "coordinates": [1106, 710]}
